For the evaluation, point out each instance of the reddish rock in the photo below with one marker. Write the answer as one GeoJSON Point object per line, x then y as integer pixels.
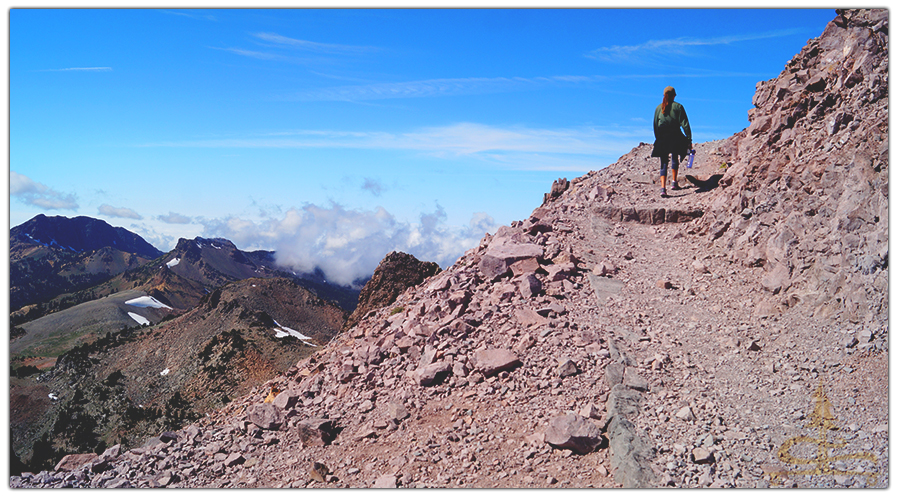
{"type": "Point", "coordinates": [493, 361]}
{"type": "Point", "coordinates": [386, 481]}
{"type": "Point", "coordinates": [394, 274]}
{"type": "Point", "coordinates": [316, 431]}
{"type": "Point", "coordinates": [72, 462]}
{"type": "Point", "coordinates": [265, 416]}
{"type": "Point", "coordinates": [525, 266]}
{"type": "Point", "coordinates": [285, 400]}
{"type": "Point", "coordinates": [433, 373]}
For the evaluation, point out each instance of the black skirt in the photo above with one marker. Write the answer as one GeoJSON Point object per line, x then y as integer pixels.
{"type": "Point", "coordinates": [671, 144]}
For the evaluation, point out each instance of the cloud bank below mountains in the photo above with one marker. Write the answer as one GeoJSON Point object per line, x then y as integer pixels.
{"type": "Point", "coordinates": [348, 244]}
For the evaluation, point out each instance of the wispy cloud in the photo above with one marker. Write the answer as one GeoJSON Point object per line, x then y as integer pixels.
{"type": "Point", "coordinates": [34, 193]}
{"type": "Point", "coordinates": [348, 244]}
{"type": "Point", "coordinates": [675, 46]}
{"type": "Point", "coordinates": [266, 56]}
{"type": "Point", "coordinates": [96, 68]}
{"type": "Point", "coordinates": [434, 87]}
{"type": "Point", "coordinates": [121, 212]}
{"type": "Point", "coordinates": [372, 186]}
{"type": "Point", "coordinates": [192, 15]}
{"type": "Point", "coordinates": [471, 86]}
{"type": "Point", "coordinates": [520, 148]}
{"type": "Point", "coordinates": [326, 48]}
{"type": "Point", "coordinates": [174, 218]}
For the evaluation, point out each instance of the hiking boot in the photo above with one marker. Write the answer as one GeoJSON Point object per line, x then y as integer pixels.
{"type": "Point", "coordinates": [662, 192]}
{"type": "Point", "coordinates": [675, 185]}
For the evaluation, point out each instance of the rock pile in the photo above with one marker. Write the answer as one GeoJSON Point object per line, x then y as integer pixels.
{"type": "Point", "coordinates": [550, 356]}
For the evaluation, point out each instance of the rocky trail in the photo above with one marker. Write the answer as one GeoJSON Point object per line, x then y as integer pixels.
{"type": "Point", "coordinates": [613, 338]}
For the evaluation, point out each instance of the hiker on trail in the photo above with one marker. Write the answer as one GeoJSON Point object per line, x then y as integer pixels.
{"type": "Point", "coordinates": [668, 120]}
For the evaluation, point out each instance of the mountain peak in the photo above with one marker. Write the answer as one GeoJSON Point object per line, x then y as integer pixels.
{"type": "Point", "coordinates": [80, 234]}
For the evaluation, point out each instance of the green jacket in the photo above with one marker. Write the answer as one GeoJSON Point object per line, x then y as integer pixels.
{"type": "Point", "coordinates": [667, 130]}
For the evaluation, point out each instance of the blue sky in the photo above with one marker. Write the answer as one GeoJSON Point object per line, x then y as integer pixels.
{"type": "Point", "coordinates": [340, 134]}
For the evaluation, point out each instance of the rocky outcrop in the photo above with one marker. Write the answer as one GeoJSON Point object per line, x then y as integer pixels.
{"type": "Point", "coordinates": [394, 274]}
{"type": "Point", "coordinates": [806, 198]}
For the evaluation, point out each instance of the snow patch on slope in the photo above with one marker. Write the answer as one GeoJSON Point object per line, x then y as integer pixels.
{"type": "Point", "coordinates": [140, 319]}
{"type": "Point", "coordinates": [283, 331]}
{"type": "Point", "coordinates": [146, 301]}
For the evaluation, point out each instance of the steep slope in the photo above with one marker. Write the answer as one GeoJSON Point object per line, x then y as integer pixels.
{"type": "Point", "coordinates": [394, 274]}
{"type": "Point", "coordinates": [610, 339]}
{"type": "Point", "coordinates": [128, 384]}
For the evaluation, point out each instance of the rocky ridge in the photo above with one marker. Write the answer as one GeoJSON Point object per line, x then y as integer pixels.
{"type": "Point", "coordinates": [612, 338]}
{"type": "Point", "coordinates": [394, 274]}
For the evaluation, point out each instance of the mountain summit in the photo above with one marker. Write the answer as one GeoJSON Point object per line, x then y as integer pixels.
{"type": "Point", "coordinates": [78, 234]}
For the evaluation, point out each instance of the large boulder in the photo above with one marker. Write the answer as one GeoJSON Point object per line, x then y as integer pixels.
{"type": "Point", "coordinates": [265, 416]}
{"type": "Point", "coordinates": [573, 432]}
{"type": "Point", "coordinates": [493, 361]}
{"type": "Point", "coordinates": [503, 252]}
{"type": "Point", "coordinates": [72, 462]}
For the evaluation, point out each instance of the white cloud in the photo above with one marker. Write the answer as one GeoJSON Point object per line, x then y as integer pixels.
{"type": "Point", "coordinates": [124, 213]}
{"type": "Point", "coordinates": [98, 68]}
{"type": "Point", "coordinates": [266, 56]}
{"type": "Point", "coordinates": [517, 148]}
{"type": "Point", "coordinates": [329, 48]}
{"type": "Point", "coordinates": [34, 193]}
{"type": "Point", "coordinates": [348, 244]}
{"type": "Point", "coordinates": [663, 48]}
{"type": "Point", "coordinates": [419, 88]}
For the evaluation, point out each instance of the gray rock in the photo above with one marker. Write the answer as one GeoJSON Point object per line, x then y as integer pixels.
{"type": "Point", "coordinates": [633, 380]}
{"type": "Point", "coordinates": [573, 432]}
{"type": "Point", "coordinates": [630, 455]}
{"type": "Point", "coordinates": [615, 373]}
{"type": "Point", "coordinates": [72, 462]}
{"type": "Point", "coordinates": [566, 368]}
{"type": "Point", "coordinates": [265, 416]}
{"type": "Point", "coordinates": [530, 286]}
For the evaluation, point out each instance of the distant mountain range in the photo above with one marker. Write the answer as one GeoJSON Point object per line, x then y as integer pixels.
{"type": "Point", "coordinates": [58, 262]}
{"type": "Point", "coordinates": [52, 256]}
{"type": "Point", "coordinates": [85, 297]}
